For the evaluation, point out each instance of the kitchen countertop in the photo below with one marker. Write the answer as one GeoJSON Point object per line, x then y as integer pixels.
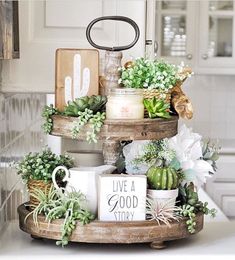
{"type": "Point", "coordinates": [217, 239]}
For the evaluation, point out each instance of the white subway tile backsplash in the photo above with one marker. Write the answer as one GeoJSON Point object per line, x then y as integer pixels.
{"type": "Point", "coordinates": [213, 99]}
{"type": "Point", "coordinates": [20, 133]}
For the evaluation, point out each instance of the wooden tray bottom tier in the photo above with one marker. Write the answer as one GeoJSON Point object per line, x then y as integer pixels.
{"type": "Point", "coordinates": [110, 232]}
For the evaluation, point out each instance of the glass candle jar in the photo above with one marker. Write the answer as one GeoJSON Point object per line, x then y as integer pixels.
{"type": "Point", "coordinates": [125, 103]}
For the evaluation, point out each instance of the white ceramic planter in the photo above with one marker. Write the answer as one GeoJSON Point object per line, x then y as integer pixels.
{"type": "Point", "coordinates": [87, 158]}
{"type": "Point", "coordinates": [162, 196]}
{"type": "Point", "coordinates": [84, 179]}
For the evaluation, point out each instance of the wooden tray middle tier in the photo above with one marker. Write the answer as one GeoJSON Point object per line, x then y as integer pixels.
{"type": "Point", "coordinates": [120, 130]}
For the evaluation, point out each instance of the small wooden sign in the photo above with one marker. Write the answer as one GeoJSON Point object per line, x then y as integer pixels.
{"type": "Point", "coordinates": [122, 197]}
{"type": "Point", "coordinates": [77, 75]}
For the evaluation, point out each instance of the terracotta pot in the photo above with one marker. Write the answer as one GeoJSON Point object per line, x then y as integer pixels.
{"type": "Point", "coordinates": [162, 196]}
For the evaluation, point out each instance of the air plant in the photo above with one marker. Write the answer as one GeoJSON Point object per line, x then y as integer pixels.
{"type": "Point", "coordinates": [71, 206]}
{"type": "Point", "coordinates": [162, 211]}
{"type": "Point", "coordinates": [46, 203]}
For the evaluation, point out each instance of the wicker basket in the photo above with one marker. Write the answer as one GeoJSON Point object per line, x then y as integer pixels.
{"type": "Point", "coordinates": [37, 184]}
{"type": "Point", "coordinates": [166, 96]}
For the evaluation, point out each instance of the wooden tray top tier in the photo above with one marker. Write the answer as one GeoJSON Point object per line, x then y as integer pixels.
{"type": "Point", "coordinates": [120, 130]}
{"type": "Point", "coordinates": [110, 232]}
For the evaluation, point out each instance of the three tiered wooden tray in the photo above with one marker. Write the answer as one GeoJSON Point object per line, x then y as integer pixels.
{"type": "Point", "coordinates": [112, 133]}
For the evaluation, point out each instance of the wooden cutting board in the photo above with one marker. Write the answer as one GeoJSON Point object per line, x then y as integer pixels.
{"type": "Point", "coordinates": [77, 75]}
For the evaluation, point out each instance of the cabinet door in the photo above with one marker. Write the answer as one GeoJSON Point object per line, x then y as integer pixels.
{"type": "Point", "coordinates": [50, 24]}
{"type": "Point", "coordinates": [221, 187]}
{"type": "Point", "coordinates": [216, 34]}
{"type": "Point", "coordinates": [170, 30]}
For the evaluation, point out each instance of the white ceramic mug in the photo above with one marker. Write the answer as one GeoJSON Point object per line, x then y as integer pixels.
{"type": "Point", "coordinates": [84, 179]}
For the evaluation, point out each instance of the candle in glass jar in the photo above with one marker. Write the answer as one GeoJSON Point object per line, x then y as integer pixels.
{"type": "Point", "coordinates": [125, 103]}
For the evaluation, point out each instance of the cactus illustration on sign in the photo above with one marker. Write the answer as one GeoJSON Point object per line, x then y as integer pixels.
{"type": "Point", "coordinates": [73, 87]}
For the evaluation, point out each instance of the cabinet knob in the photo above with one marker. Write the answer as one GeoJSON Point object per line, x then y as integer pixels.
{"type": "Point", "coordinates": [205, 56]}
{"type": "Point", "coordinates": [189, 56]}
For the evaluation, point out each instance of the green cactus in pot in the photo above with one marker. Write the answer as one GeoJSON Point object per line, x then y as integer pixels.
{"type": "Point", "coordinates": [163, 178]}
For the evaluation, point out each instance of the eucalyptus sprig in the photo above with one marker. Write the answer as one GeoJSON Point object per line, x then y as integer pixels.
{"type": "Point", "coordinates": [210, 153]}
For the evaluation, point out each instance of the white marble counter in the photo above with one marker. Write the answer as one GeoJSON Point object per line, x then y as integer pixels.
{"type": "Point", "coordinates": [217, 239]}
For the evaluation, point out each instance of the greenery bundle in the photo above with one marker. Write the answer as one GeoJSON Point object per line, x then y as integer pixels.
{"type": "Point", "coordinates": [40, 165]}
{"type": "Point", "coordinates": [150, 74]}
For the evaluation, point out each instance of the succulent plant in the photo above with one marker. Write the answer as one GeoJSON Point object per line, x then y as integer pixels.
{"type": "Point", "coordinates": [157, 108]}
{"type": "Point", "coordinates": [94, 103]}
{"type": "Point", "coordinates": [210, 153]}
{"type": "Point", "coordinates": [165, 178]}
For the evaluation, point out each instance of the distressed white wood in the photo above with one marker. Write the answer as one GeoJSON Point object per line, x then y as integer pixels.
{"type": "Point", "coordinates": [122, 197]}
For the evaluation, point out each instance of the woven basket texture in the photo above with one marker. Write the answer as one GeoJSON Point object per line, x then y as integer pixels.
{"type": "Point", "coordinates": [37, 184]}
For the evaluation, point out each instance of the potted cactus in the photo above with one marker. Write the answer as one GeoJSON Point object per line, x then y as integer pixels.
{"type": "Point", "coordinates": [163, 184]}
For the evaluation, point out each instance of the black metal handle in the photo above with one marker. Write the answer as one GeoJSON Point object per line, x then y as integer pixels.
{"type": "Point", "coordinates": [116, 18]}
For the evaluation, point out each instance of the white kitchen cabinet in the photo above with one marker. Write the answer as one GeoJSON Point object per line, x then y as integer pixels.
{"type": "Point", "coordinates": [221, 187]}
{"type": "Point", "coordinates": [216, 37]}
{"type": "Point", "coordinates": [170, 30]}
{"type": "Point", "coordinates": [200, 33]}
{"type": "Point", "coordinates": [50, 24]}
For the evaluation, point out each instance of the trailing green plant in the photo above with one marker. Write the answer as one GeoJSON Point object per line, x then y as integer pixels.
{"type": "Point", "coordinates": [67, 205]}
{"type": "Point", "coordinates": [157, 108]}
{"type": "Point", "coordinates": [190, 205]}
{"type": "Point", "coordinates": [86, 109]}
{"type": "Point", "coordinates": [93, 103]}
{"type": "Point", "coordinates": [96, 122]}
{"type": "Point", "coordinates": [150, 74]}
{"type": "Point", "coordinates": [165, 212]}
{"type": "Point", "coordinates": [165, 178]}
{"type": "Point", "coordinates": [47, 112]}
{"type": "Point", "coordinates": [46, 203]}
{"type": "Point", "coordinates": [40, 165]}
